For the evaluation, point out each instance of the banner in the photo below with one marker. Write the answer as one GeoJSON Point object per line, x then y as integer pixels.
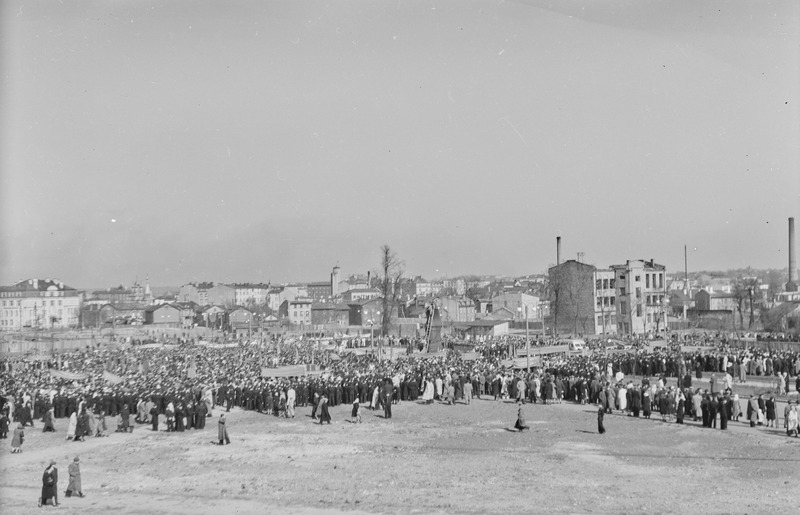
{"type": "Point", "coordinates": [112, 378]}
{"type": "Point", "coordinates": [72, 376]}
{"type": "Point", "coordinates": [291, 371]}
{"type": "Point", "coordinates": [470, 356]}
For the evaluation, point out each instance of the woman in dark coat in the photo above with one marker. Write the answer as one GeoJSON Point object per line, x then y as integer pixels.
{"type": "Point", "coordinates": [49, 485]}
{"type": "Point", "coordinates": [82, 428]}
{"type": "Point", "coordinates": [49, 422]}
{"type": "Point", "coordinates": [324, 415]}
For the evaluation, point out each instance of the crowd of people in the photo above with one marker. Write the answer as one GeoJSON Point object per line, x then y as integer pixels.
{"type": "Point", "coordinates": [180, 385]}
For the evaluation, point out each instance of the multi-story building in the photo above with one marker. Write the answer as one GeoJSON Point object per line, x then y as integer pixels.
{"type": "Point", "coordinates": [572, 302]}
{"type": "Point", "coordinates": [208, 293]}
{"type": "Point", "coordinates": [605, 302]}
{"type": "Point", "coordinates": [297, 311]}
{"type": "Point", "coordinates": [248, 294]}
{"type": "Point", "coordinates": [39, 304]}
{"type": "Point", "coordinates": [360, 294]}
{"type": "Point", "coordinates": [320, 290]}
{"type": "Point", "coordinates": [520, 304]}
{"type": "Point", "coordinates": [456, 309]}
{"type": "Point", "coordinates": [641, 292]}
{"type": "Point", "coordinates": [457, 286]}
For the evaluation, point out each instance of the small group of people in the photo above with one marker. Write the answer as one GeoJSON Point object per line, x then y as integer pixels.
{"type": "Point", "coordinates": [50, 483]}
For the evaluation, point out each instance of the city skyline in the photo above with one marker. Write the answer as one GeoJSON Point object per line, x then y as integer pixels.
{"type": "Point", "coordinates": [253, 142]}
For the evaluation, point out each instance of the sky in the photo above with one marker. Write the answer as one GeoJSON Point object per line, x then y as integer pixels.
{"type": "Point", "coordinates": [252, 141]}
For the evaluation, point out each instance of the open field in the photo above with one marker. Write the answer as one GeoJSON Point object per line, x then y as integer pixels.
{"type": "Point", "coordinates": [426, 459]}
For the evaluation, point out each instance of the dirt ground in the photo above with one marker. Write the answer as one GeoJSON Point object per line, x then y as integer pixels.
{"type": "Point", "coordinates": [426, 459]}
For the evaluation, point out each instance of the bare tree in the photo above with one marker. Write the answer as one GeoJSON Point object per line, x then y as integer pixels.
{"type": "Point", "coordinates": [389, 280]}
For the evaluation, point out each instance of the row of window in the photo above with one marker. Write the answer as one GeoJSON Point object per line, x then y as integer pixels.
{"type": "Point", "coordinates": [19, 303]}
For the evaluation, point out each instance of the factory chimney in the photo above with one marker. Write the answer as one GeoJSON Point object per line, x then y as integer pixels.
{"type": "Point", "coordinates": [558, 250]}
{"type": "Point", "coordinates": [792, 284]}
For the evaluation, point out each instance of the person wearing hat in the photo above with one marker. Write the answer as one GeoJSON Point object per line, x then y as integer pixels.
{"type": "Point", "coordinates": [222, 430]}
{"type": "Point", "coordinates": [49, 484]}
{"type": "Point", "coordinates": [74, 479]}
{"type": "Point", "coordinates": [18, 439]}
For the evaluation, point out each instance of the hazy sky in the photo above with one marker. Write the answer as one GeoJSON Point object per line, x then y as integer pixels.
{"type": "Point", "coordinates": [268, 141]}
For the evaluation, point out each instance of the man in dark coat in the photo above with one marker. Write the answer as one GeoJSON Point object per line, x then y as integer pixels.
{"type": "Point", "coordinates": [222, 430]}
{"type": "Point", "coordinates": [636, 400]}
{"type": "Point", "coordinates": [49, 485]}
{"type": "Point", "coordinates": [154, 416]}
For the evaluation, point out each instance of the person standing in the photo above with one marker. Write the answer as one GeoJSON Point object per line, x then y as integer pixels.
{"type": "Point", "coordinates": [3, 425]}
{"type": "Point", "coordinates": [49, 484]}
{"type": "Point", "coordinates": [752, 410]}
{"type": "Point", "coordinates": [520, 425]}
{"type": "Point", "coordinates": [468, 392]}
{"type": "Point", "coordinates": [600, 414]}
{"type": "Point", "coordinates": [74, 485]}
{"type": "Point", "coordinates": [324, 414]}
{"type": "Point", "coordinates": [291, 400]}
{"type": "Point", "coordinates": [49, 422]}
{"type": "Point", "coordinates": [154, 416]}
{"type": "Point", "coordinates": [771, 412]}
{"type": "Point", "coordinates": [222, 430]}
{"type": "Point", "coordinates": [72, 427]}
{"type": "Point", "coordinates": [18, 439]}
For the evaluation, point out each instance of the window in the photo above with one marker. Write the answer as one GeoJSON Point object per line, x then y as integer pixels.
{"type": "Point", "coordinates": [612, 301]}
{"type": "Point", "coordinates": [598, 284]}
{"type": "Point", "coordinates": [638, 310]}
{"type": "Point", "coordinates": [637, 278]}
{"type": "Point", "coordinates": [611, 284]}
{"type": "Point", "coordinates": [647, 280]}
{"type": "Point", "coordinates": [660, 280]}
{"type": "Point", "coordinates": [622, 290]}
{"type": "Point", "coordinates": [638, 293]}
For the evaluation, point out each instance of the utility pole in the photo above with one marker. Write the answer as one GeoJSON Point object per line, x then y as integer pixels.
{"type": "Point", "coordinates": [527, 342]}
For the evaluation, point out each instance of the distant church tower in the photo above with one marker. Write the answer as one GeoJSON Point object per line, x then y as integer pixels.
{"type": "Point", "coordinates": [335, 278]}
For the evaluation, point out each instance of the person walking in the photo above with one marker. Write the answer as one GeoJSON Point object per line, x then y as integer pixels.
{"type": "Point", "coordinates": [49, 485]}
{"type": "Point", "coordinates": [222, 430]}
{"type": "Point", "coordinates": [18, 439]}
{"type": "Point", "coordinates": [520, 425]}
{"type": "Point", "coordinates": [74, 485]}
{"type": "Point", "coordinates": [324, 414]}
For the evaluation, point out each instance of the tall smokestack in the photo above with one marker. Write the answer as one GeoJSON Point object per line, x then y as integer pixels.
{"type": "Point", "coordinates": [792, 284]}
{"type": "Point", "coordinates": [558, 250]}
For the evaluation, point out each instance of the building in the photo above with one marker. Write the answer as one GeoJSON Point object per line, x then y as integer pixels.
{"type": "Point", "coordinates": [456, 309]}
{"type": "Point", "coordinates": [368, 312]}
{"type": "Point", "coordinates": [360, 294]}
{"type": "Point", "coordinates": [39, 304]}
{"type": "Point", "coordinates": [206, 293]}
{"type": "Point", "coordinates": [707, 301]}
{"type": "Point", "coordinates": [605, 302]}
{"type": "Point", "coordinates": [480, 329]}
{"type": "Point", "coordinates": [521, 305]}
{"type": "Point", "coordinates": [320, 291]}
{"type": "Point", "coordinates": [572, 298]}
{"type": "Point", "coordinates": [328, 313]}
{"type": "Point", "coordinates": [249, 294]}
{"type": "Point", "coordinates": [241, 319]}
{"type": "Point", "coordinates": [166, 315]}
{"type": "Point", "coordinates": [454, 286]}
{"type": "Point", "coordinates": [641, 292]}
{"type": "Point", "coordinates": [296, 311]}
